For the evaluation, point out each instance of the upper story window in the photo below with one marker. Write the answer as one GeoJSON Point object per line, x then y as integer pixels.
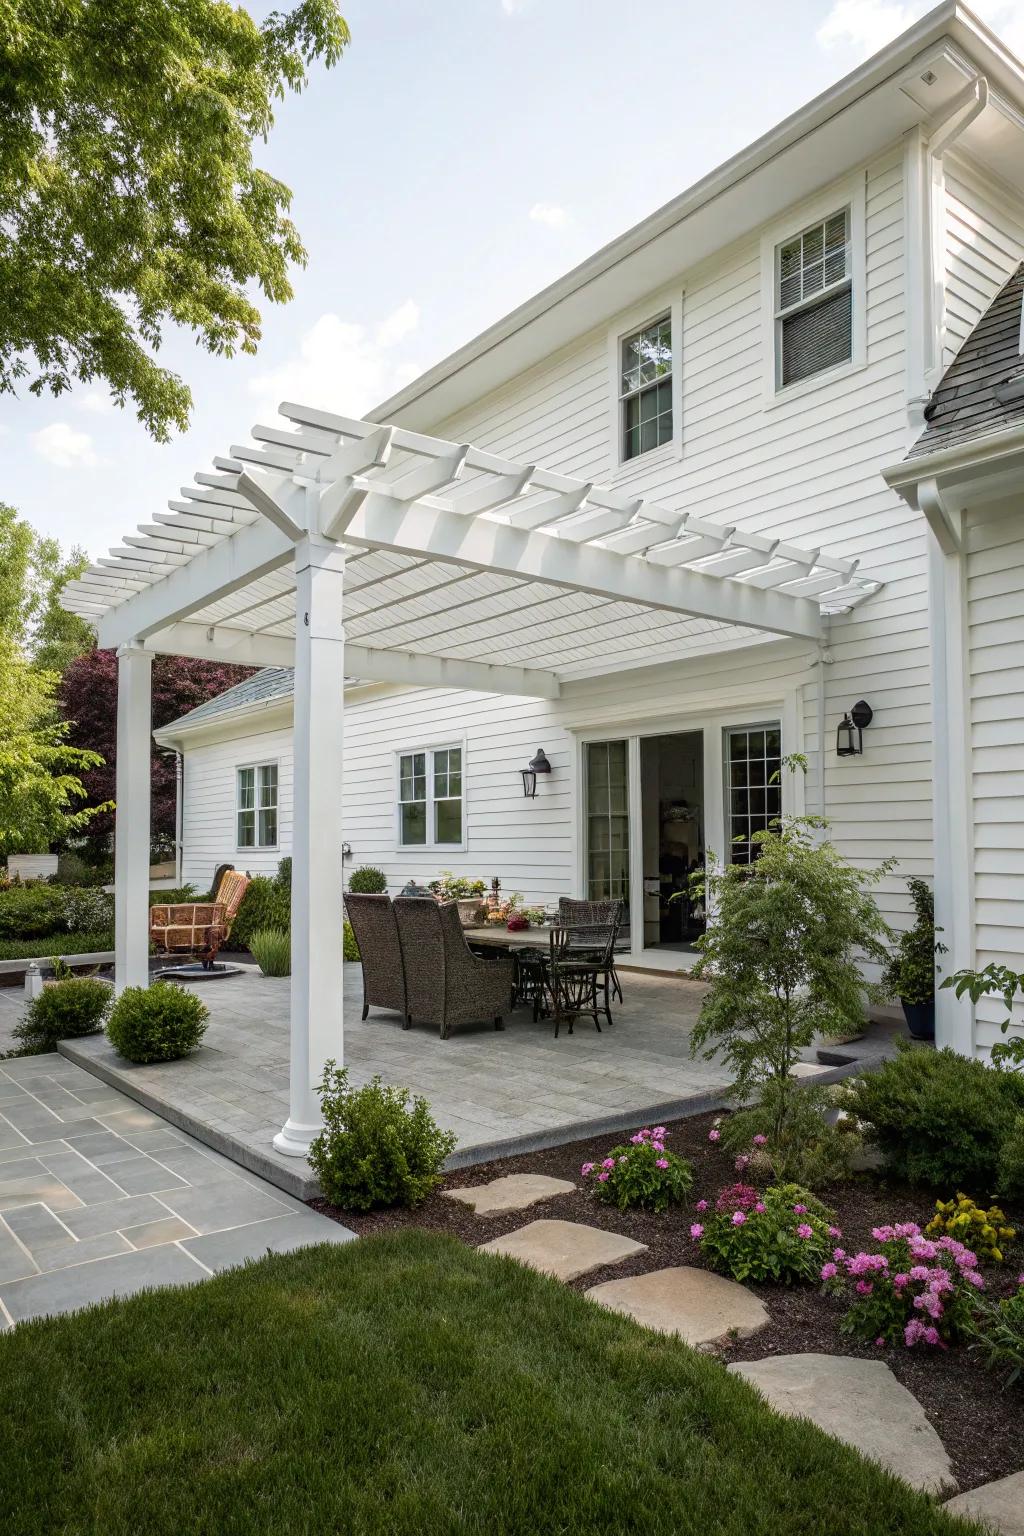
{"type": "Point", "coordinates": [645, 388]}
{"type": "Point", "coordinates": [814, 300]}
{"type": "Point", "coordinates": [256, 812]}
{"type": "Point", "coordinates": [430, 798]}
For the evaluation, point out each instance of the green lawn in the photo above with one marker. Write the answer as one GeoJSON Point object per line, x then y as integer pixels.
{"type": "Point", "coordinates": [405, 1385]}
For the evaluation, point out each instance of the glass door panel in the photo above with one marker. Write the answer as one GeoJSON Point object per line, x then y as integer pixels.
{"type": "Point", "coordinates": [607, 822]}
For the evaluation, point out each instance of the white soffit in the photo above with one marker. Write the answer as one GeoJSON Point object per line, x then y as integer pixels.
{"type": "Point", "coordinates": [463, 569]}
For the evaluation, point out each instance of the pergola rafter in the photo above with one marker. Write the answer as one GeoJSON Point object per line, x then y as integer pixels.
{"type": "Point", "coordinates": [359, 551]}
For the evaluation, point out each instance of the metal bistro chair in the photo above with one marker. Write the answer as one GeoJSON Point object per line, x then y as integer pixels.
{"type": "Point", "coordinates": [579, 973]}
{"type": "Point", "coordinates": [573, 912]}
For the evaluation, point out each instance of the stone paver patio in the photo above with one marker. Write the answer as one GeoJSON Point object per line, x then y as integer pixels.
{"type": "Point", "coordinates": [99, 1197]}
{"type": "Point", "coordinates": [499, 1092]}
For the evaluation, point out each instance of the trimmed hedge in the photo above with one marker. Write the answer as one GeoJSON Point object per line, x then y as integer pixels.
{"type": "Point", "coordinates": [57, 944]}
{"type": "Point", "coordinates": [39, 911]}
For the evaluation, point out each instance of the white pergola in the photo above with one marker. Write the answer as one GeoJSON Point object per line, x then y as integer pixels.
{"type": "Point", "coordinates": [346, 548]}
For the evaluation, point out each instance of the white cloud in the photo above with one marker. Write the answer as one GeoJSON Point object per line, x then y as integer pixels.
{"type": "Point", "coordinates": [342, 365]}
{"type": "Point", "coordinates": [95, 403]}
{"type": "Point", "coordinates": [64, 446]}
{"type": "Point", "coordinates": [398, 324]}
{"type": "Point", "coordinates": [551, 214]}
{"type": "Point", "coordinates": [512, 7]}
{"type": "Point", "coordinates": [861, 27]}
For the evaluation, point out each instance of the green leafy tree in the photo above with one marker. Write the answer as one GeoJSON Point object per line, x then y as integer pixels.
{"type": "Point", "coordinates": [785, 942]}
{"type": "Point", "coordinates": [128, 192]}
{"type": "Point", "coordinates": [39, 772]}
{"type": "Point", "coordinates": [33, 574]}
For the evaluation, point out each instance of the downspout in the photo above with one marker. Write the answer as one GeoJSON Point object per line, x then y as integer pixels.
{"type": "Point", "coordinates": [179, 813]}
{"type": "Point", "coordinates": [823, 658]}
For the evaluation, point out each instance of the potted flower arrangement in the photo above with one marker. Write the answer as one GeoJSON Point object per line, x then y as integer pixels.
{"type": "Point", "coordinates": [468, 893]}
{"type": "Point", "coordinates": [910, 973]}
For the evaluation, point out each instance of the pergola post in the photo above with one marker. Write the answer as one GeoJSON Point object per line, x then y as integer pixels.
{"type": "Point", "coordinates": [131, 835]}
{"type": "Point", "coordinates": [317, 870]}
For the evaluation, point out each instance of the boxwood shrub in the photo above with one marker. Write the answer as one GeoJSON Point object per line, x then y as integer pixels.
{"type": "Point", "coordinates": [64, 1010]}
{"type": "Point", "coordinates": [940, 1119]}
{"type": "Point", "coordinates": [161, 1022]}
{"type": "Point", "coordinates": [375, 1148]}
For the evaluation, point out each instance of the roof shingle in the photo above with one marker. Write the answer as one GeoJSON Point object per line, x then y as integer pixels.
{"type": "Point", "coordinates": [261, 688]}
{"type": "Point", "coordinates": [982, 390]}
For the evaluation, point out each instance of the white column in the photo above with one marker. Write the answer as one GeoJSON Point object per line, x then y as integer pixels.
{"type": "Point", "coordinates": [131, 834]}
{"type": "Point", "coordinates": [952, 832]}
{"type": "Point", "coordinates": [317, 871]}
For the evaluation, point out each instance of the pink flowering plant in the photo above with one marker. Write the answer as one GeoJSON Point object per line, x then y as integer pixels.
{"type": "Point", "coordinates": [783, 1235]}
{"type": "Point", "coordinates": [915, 1290]}
{"type": "Point", "coordinates": [643, 1172]}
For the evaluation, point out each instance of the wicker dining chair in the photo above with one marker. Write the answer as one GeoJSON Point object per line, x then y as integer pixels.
{"type": "Point", "coordinates": [579, 972]}
{"type": "Point", "coordinates": [572, 911]}
{"type": "Point", "coordinates": [376, 932]}
{"type": "Point", "coordinates": [446, 984]}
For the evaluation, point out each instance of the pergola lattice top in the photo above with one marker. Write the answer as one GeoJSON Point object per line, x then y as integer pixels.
{"type": "Point", "coordinates": [453, 554]}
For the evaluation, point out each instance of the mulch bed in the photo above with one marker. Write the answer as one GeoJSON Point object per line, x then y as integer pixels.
{"type": "Point", "coordinates": [979, 1424]}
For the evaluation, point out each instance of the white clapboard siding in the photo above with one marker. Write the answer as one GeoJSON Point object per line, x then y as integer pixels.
{"type": "Point", "coordinates": [984, 245]}
{"type": "Point", "coordinates": [805, 469]}
{"type": "Point", "coordinates": [995, 617]}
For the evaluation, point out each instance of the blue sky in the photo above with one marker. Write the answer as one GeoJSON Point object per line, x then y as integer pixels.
{"type": "Point", "coordinates": [463, 154]}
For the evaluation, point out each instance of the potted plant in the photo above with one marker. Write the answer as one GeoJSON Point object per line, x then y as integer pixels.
{"type": "Point", "coordinates": [910, 972]}
{"type": "Point", "coordinates": [467, 893]}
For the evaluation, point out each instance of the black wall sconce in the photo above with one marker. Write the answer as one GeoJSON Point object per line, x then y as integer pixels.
{"type": "Point", "coordinates": [539, 764]}
{"type": "Point", "coordinates": [850, 735]}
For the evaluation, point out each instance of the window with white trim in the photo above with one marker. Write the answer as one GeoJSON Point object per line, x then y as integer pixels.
{"type": "Point", "coordinates": [645, 388]}
{"type": "Point", "coordinates": [814, 300]}
{"type": "Point", "coordinates": [256, 812]}
{"type": "Point", "coordinates": [430, 813]}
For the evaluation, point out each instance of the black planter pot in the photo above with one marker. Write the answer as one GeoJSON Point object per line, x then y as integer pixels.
{"type": "Point", "coordinates": [920, 1019]}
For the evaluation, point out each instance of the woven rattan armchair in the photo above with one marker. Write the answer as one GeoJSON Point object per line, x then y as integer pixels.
{"type": "Point", "coordinates": [376, 932]}
{"type": "Point", "coordinates": [573, 912]}
{"type": "Point", "coordinates": [445, 983]}
{"type": "Point", "coordinates": [199, 927]}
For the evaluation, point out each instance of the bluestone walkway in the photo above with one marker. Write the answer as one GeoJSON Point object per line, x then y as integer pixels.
{"type": "Point", "coordinates": [99, 1197]}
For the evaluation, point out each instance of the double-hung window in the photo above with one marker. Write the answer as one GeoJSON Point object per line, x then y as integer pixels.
{"type": "Point", "coordinates": [430, 809]}
{"type": "Point", "coordinates": [645, 388]}
{"type": "Point", "coordinates": [256, 812]}
{"type": "Point", "coordinates": [814, 300]}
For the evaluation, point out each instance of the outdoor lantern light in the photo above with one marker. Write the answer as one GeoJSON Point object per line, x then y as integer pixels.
{"type": "Point", "coordinates": [539, 764]}
{"type": "Point", "coordinates": [850, 735]}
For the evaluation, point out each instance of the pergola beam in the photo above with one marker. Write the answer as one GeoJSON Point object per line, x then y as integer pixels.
{"type": "Point", "coordinates": [382, 523]}
{"type": "Point", "coordinates": [373, 664]}
{"type": "Point", "coordinates": [232, 564]}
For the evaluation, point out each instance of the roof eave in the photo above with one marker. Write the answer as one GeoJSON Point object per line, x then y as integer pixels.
{"type": "Point", "coordinates": [949, 22]}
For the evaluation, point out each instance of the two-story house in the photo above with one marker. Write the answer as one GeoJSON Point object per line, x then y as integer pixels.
{"type": "Point", "coordinates": [746, 362]}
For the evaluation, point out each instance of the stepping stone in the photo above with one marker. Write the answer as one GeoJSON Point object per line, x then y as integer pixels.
{"type": "Point", "coordinates": [861, 1402]}
{"type": "Point", "coordinates": [564, 1249]}
{"type": "Point", "coordinates": [697, 1305]}
{"type": "Point", "coordinates": [999, 1505]}
{"type": "Point", "coordinates": [512, 1193]}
